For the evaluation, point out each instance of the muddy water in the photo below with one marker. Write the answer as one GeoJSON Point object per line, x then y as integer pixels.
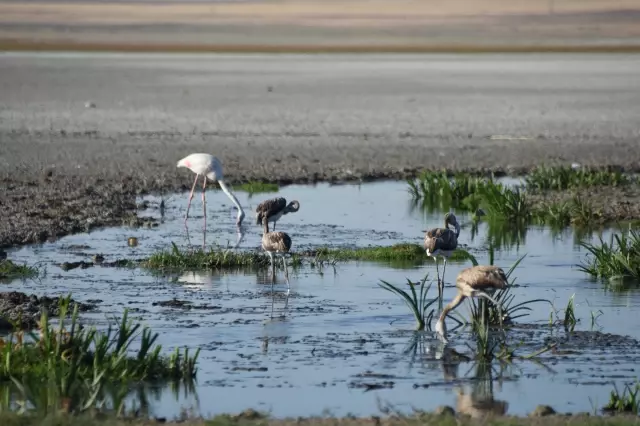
{"type": "Point", "coordinates": [344, 345]}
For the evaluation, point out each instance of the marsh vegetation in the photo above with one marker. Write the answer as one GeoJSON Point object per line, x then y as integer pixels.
{"type": "Point", "coordinates": [72, 367]}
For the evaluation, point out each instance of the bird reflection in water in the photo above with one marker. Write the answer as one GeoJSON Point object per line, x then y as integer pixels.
{"type": "Point", "coordinates": [276, 328]}
{"type": "Point", "coordinates": [240, 234]}
{"type": "Point", "coordinates": [478, 400]}
{"type": "Point", "coordinates": [475, 399]}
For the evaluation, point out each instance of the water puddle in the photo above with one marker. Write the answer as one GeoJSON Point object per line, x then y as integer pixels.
{"type": "Point", "coordinates": [339, 343]}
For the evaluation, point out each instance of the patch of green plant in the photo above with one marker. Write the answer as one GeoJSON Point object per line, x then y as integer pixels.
{"type": "Point", "coordinates": [618, 259]}
{"type": "Point", "coordinates": [627, 402]}
{"type": "Point", "coordinates": [11, 271]}
{"type": "Point", "coordinates": [417, 302]}
{"type": "Point", "coordinates": [256, 187]}
{"type": "Point", "coordinates": [433, 186]}
{"type": "Point", "coordinates": [215, 258]}
{"type": "Point", "coordinates": [565, 177]}
{"type": "Point", "coordinates": [75, 363]}
{"type": "Point", "coordinates": [570, 314]}
{"type": "Point", "coordinates": [575, 212]}
{"type": "Point", "coordinates": [397, 252]}
{"type": "Point", "coordinates": [501, 203]}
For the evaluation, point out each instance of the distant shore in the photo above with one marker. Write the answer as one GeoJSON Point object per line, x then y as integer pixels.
{"type": "Point", "coordinates": [61, 46]}
{"type": "Point", "coordinates": [313, 26]}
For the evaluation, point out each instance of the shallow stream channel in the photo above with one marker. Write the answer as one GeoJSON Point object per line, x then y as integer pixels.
{"type": "Point", "coordinates": [343, 345]}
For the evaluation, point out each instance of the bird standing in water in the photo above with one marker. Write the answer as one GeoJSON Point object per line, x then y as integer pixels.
{"type": "Point", "coordinates": [276, 243]}
{"type": "Point", "coordinates": [442, 242]}
{"type": "Point", "coordinates": [476, 281]}
{"type": "Point", "coordinates": [208, 166]}
{"type": "Point", "coordinates": [274, 209]}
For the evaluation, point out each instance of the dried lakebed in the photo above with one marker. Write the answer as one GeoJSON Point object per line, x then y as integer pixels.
{"type": "Point", "coordinates": [343, 344]}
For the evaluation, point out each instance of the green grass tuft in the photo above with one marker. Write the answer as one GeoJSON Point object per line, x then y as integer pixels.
{"type": "Point", "coordinates": [71, 365]}
{"type": "Point", "coordinates": [255, 187]}
{"type": "Point", "coordinates": [565, 177]}
{"type": "Point", "coordinates": [196, 259]}
{"type": "Point", "coordinates": [626, 402]}
{"type": "Point", "coordinates": [618, 259]}
{"type": "Point", "coordinates": [396, 252]}
{"type": "Point", "coordinates": [11, 271]}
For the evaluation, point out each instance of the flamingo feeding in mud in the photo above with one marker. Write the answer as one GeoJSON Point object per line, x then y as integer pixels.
{"type": "Point", "coordinates": [208, 166]}
{"type": "Point", "coordinates": [442, 242]}
{"type": "Point", "coordinates": [476, 281]}
{"type": "Point", "coordinates": [274, 209]}
{"type": "Point", "coordinates": [278, 243]}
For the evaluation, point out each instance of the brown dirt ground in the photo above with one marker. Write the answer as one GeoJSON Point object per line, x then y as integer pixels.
{"type": "Point", "coordinates": [65, 168]}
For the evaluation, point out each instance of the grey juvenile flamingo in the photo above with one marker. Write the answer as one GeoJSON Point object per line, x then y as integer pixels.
{"type": "Point", "coordinates": [476, 281]}
{"type": "Point", "coordinates": [274, 208]}
{"type": "Point", "coordinates": [442, 242]}
{"type": "Point", "coordinates": [277, 243]}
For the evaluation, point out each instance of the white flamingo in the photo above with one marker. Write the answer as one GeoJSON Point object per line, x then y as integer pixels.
{"type": "Point", "coordinates": [209, 167]}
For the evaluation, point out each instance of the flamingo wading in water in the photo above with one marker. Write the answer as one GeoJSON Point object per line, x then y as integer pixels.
{"type": "Point", "coordinates": [208, 166]}
{"type": "Point", "coordinates": [278, 243]}
{"type": "Point", "coordinates": [476, 281]}
{"type": "Point", "coordinates": [273, 209]}
{"type": "Point", "coordinates": [442, 242]}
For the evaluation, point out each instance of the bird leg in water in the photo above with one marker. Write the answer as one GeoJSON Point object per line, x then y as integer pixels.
{"type": "Point", "coordinates": [444, 268]}
{"type": "Point", "coordinates": [286, 272]}
{"type": "Point", "coordinates": [273, 271]}
{"type": "Point", "coordinates": [193, 188]}
{"type": "Point", "coordinates": [204, 202]}
{"type": "Point", "coordinates": [435, 258]}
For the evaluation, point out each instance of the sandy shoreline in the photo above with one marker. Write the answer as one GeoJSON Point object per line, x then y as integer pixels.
{"type": "Point", "coordinates": [292, 118]}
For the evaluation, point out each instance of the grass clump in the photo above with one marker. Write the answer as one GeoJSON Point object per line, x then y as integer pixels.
{"type": "Point", "coordinates": [626, 402]}
{"type": "Point", "coordinates": [195, 259]}
{"type": "Point", "coordinates": [618, 259]}
{"type": "Point", "coordinates": [72, 365]}
{"type": "Point", "coordinates": [11, 271]}
{"type": "Point", "coordinates": [417, 302]}
{"type": "Point", "coordinates": [565, 177]}
{"type": "Point", "coordinates": [401, 251]}
{"type": "Point", "coordinates": [255, 187]}
{"type": "Point", "coordinates": [471, 193]}
{"type": "Point", "coordinates": [575, 212]}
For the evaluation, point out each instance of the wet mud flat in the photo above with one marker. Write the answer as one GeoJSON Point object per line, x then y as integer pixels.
{"type": "Point", "coordinates": [338, 339]}
{"type": "Point", "coordinates": [82, 134]}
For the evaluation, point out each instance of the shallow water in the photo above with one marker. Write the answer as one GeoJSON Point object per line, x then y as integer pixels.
{"type": "Point", "coordinates": [340, 324]}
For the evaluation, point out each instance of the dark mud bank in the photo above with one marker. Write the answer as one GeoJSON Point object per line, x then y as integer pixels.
{"type": "Point", "coordinates": [22, 311]}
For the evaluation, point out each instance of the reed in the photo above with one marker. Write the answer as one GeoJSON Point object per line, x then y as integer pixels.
{"type": "Point", "coordinates": [75, 363]}
{"type": "Point", "coordinates": [10, 270]}
{"type": "Point", "coordinates": [255, 187]}
{"type": "Point", "coordinates": [417, 302]}
{"type": "Point", "coordinates": [561, 178]}
{"type": "Point", "coordinates": [617, 259]}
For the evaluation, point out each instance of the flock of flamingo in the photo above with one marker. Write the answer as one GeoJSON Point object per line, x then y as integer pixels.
{"type": "Point", "coordinates": [475, 281]}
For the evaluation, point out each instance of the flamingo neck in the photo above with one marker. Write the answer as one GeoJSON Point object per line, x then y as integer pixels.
{"type": "Point", "coordinates": [233, 199]}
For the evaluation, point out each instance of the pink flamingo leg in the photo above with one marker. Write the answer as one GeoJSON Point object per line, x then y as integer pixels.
{"type": "Point", "coordinates": [204, 202]}
{"type": "Point", "coordinates": [191, 198]}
